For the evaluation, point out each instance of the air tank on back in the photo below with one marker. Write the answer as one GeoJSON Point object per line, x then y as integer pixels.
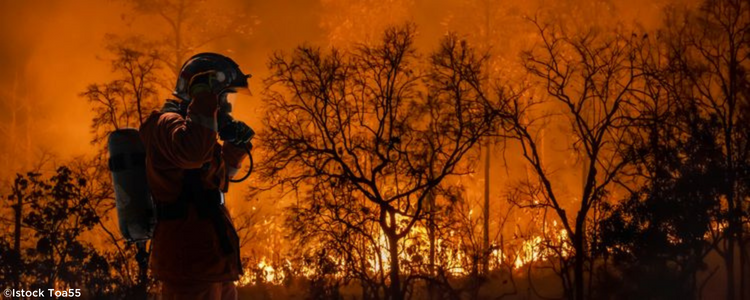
{"type": "Point", "coordinates": [127, 162]}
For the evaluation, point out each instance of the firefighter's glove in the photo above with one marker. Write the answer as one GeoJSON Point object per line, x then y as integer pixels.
{"type": "Point", "coordinates": [223, 117]}
{"type": "Point", "coordinates": [237, 133]}
{"type": "Point", "coordinates": [206, 82]}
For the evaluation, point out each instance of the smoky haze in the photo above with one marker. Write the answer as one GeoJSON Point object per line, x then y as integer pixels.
{"type": "Point", "coordinates": [52, 50]}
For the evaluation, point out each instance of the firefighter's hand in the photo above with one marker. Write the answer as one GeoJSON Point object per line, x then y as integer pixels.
{"type": "Point", "coordinates": [207, 81]}
{"type": "Point", "coordinates": [237, 133]}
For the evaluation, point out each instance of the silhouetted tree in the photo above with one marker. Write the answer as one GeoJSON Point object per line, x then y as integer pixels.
{"type": "Point", "coordinates": [585, 79]}
{"type": "Point", "coordinates": [711, 46]}
{"type": "Point", "coordinates": [128, 100]}
{"type": "Point", "coordinates": [58, 214]}
{"type": "Point", "coordinates": [370, 131]}
{"type": "Point", "coordinates": [658, 237]}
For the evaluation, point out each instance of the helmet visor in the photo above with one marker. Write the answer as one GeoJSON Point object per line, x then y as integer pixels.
{"type": "Point", "coordinates": [238, 80]}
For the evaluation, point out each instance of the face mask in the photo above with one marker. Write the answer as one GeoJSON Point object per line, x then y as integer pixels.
{"type": "Point", "coordinates": [226, 100]}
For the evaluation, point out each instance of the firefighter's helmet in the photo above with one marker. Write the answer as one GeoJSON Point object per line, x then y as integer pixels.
{"type": "Point", "coordinates": [227, 72]}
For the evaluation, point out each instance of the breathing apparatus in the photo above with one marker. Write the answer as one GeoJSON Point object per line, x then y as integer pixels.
{"type": "Point", "coordinates": [233, 80]}
{"type": "Point", "coordinates": [228, 131]}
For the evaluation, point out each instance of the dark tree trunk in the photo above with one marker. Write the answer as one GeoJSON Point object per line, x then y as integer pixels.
{"type": "Point", "coordinates": [578, 244]}
{"type": "Point", "coordinates": [17, 208]}
{"type": "Point", "coordinates": [486, 224]}
{"type": "Point", "coordinates": [141, 256]}
{"type": "Point", "coordinates": [729, 257]}
{"type": "Point", "coordinates": [431, 235]}
{"type": "Point", "coordinates": [395, 287]}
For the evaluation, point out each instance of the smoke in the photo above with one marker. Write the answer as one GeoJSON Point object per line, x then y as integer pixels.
{"type": "Point", "coordinates": [50, 54]}
{"type": "Point", "coordinates": [52, 49]}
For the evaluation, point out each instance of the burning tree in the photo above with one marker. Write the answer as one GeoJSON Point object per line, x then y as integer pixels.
{"type": "Point", "coordinates": [366, 137]}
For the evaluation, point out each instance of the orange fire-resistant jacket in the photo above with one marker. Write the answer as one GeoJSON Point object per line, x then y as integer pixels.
{"type": "Point", "coordinates": [188, 249]}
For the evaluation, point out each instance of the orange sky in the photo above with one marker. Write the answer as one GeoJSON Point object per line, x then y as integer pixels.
{"type": "Point", "coordinates": [55, 48]}
{"type": "Point", "coordinates": [58, 47]}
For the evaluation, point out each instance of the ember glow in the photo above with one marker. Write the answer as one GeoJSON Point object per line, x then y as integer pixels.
{"type": "Point", "coordinates": [454, 256]}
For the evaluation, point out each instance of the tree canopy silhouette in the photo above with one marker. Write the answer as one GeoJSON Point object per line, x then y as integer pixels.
{"type": "Point", "coordinates": [365, 136]}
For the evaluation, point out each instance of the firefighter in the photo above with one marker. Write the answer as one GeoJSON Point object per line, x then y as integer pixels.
{"type": "Point", "coordinates": [195, 248]}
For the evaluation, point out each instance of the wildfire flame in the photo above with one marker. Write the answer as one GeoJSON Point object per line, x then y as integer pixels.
{"type": "Point", "coordinates": [453, 257]}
